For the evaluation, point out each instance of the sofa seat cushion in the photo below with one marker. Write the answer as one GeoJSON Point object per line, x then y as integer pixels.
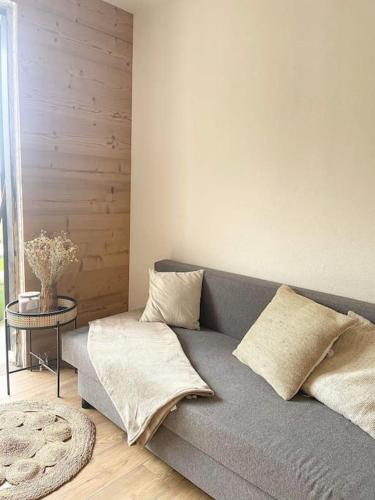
{"type": "Point", "coordinates": [290, 449]}
{"type": "Point", "coordinates": [74, 350]}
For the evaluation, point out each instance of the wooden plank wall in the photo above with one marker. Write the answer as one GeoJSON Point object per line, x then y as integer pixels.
{"type": "Point", "coordinates": [75, 60]}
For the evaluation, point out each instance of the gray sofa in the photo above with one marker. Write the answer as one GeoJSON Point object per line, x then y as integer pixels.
{"type": "Point", "coordinates": [246, 442]}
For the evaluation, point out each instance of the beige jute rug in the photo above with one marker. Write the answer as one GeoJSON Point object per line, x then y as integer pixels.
{"type": "Point", "coordinates": [42, 446]}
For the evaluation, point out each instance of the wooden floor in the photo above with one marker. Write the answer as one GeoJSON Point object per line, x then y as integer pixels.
{"type": "Point", "coordinates": [116, 471]}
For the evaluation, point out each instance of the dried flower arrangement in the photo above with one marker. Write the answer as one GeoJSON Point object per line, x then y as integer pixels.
{"type": "Point", "coordinates": [48, 257]}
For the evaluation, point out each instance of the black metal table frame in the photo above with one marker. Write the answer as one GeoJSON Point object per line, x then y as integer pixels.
{"type": "Point", "coordinates": [29, 331]}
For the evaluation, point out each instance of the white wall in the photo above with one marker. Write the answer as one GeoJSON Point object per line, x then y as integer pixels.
{"type": "Point", "coordinates": [254, 141]}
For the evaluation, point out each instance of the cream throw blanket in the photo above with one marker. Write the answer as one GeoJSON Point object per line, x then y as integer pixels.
{"type": "Point", "coordinates": [143, 369]}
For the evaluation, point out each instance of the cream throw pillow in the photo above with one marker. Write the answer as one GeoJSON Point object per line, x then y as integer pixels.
{"type": "Point", "coordinates": [345, 382]}
{"type": "Point", "coordinates": [174, 298]}
{"type": "Point", "coordinates": [289, 339]}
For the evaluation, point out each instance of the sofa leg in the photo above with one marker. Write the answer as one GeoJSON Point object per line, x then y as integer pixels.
{"type": "Point", "coordinates": [85, 405]}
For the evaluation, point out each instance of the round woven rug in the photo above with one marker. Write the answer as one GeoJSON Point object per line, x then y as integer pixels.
{"type": "Point", "coordinates": [42, 446]}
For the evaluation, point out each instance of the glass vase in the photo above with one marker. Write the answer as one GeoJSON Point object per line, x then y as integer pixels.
{"type": "Point", "coordinates": [48, 298]}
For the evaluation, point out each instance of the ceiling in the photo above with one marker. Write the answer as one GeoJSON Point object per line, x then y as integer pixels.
{"type": "Point", "coordinates": [133, 5]}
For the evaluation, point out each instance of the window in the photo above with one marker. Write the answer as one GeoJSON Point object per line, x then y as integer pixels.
{"type": "Point", "coordinates": [10, 166]}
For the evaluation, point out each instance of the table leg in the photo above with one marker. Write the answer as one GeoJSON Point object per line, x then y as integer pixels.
{"type": "Point", "coordinates": [30, 349]}
{"type": "Point", "coordinates": [58, 359]}
{"type": "Point", "coordinates": [7, 355]}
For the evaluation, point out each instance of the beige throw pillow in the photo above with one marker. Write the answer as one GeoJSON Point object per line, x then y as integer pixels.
{"type": "Point", "coordinates": [174, 298]}
{"type": "Point", "coordinates": [345, 381]}
{"type": "Point", "coordinates": [289, 339]}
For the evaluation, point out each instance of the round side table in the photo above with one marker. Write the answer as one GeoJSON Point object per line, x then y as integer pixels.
{"type": "Point", "coordinates": [65, 313]}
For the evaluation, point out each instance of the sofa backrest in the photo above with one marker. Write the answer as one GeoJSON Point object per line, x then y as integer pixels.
{"type": "Point", "coordinates": [231, 303]}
